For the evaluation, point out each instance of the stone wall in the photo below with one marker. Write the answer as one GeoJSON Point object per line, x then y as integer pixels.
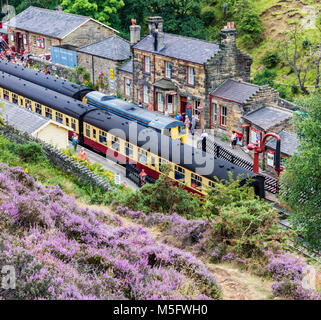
{"type": "Point", "coordinates": [120, 82]}
{"type": "Point", "coordinates": [178, 79]}
{"type": "Point", "coordinates": [94, 65]}
{"type": "Point", "coordinates": [32, 42]}
{"type": "Point", "coordinates": [88, 33]}
{"type": "Point", "coordinates": [58, 159]}
{"type": "Point", "coordinates": [54, 68]}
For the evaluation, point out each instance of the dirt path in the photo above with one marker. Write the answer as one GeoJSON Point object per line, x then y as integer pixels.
{"type": "Point", "coordinates": [236, 284]}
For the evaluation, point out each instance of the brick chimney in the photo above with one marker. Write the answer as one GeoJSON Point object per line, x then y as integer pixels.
{"type": "Point", "coordinates": [134, 32]}
{"type": "Point", "coordinates": [228, 36]}
{"type": "Point", "coordinates": [155, 28]}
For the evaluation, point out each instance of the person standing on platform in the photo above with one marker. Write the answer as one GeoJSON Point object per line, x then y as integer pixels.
{"type": "Point", "coordinates": [204, 137]}
{"type": "Point", "coordinates": [193, 125]}
{"type": "Point", "coordinates": [75, 141]}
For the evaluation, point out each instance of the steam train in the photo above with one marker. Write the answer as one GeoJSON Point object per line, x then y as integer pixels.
{"type": "Point", "coordinates": [160, 123]}
{"type": "Point", "coordinates": [126, 141]}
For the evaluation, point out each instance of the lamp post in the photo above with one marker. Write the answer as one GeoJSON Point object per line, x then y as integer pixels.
{"type": "Point", "coordinates": [101, 74]}
{"type": "Point", "coordinates": [200, 109]}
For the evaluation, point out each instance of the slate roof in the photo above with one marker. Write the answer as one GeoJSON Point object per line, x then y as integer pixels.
{"type": "Point", "coordinates": [165, 84]}
{"type": "Point", "coordinates": [52, 23]}
{"type": "Point", "coordinates": [267, 117]}
{"type": "Point", "coordinates": [22, 119]}
{"type": "Point", "coordinates": [235, 91]}
{"type": "Point", "coordinates": [112, 48]}
{"type": "Point", "coordinates": [289, 142]}
{"type": "Point", "coordinates": [127, 66]}
{"type": "Point", "coordinates": [184, 48]}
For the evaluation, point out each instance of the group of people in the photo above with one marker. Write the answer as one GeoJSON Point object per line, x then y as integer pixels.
{"type": "Point", "coordinates": [190, 124]}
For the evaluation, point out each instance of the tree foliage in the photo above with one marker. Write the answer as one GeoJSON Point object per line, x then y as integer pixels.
{"type": "Point", "coordinates": [302, 177]}
{"type": "Point", "coordinates": [101, 10]}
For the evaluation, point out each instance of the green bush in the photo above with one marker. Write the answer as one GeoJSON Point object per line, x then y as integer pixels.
{"type": "Point", "coordinates": [270, 59]}
{"type": "Point", "coordinates": [30, 152]}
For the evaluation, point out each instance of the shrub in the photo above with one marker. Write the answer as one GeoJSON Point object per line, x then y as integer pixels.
{"type": "Point", "coordinates": [270, 59]}
{"type": "Point", "coordinates": [30, 152]}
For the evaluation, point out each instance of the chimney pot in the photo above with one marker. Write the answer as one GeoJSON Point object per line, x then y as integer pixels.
{"type": "Point", "coordinates": [134, 33]}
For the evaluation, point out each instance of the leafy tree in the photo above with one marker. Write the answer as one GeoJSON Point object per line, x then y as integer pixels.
{"type": "Point", "coordinates": [180, 16]}
{"type": "Point", "coordinates": [302, 177]}
{"type": "Point", "coordinates": [265, 77]}
{"type": "Point", "coordinates": [295, 54]}
{"type": "Point", "coordinates": [251, 28]}
{"type": "Point", "coordinates": [270, 59]}
{"type": "Point", "coordinates": [101, 10]}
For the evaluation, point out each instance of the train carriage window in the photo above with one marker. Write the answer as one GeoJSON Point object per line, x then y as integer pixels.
{"type": "Point", "coordinates": [28, 103]}
{"type": "Point", "coordinates": [162, 163]}
{"type": "Point", "coordinates": [21, 102]}
{"type": "Point", "coordinates": [87, 130]}
{"type": "Point", "coordinates": [6, 94]}
{"type": "Point", "coordinates": [38, 108]}
{"type": "Point", "coordinates": [179, 173]}
{"type": "Point", "coordinates": [67, 122]}
{"type": "Point", "coordinates": [196, 181]}
{"type": "Point", "coordinates": [15, 98]}
{"type": "Point", "coordinates": [211, 184]}
{"type": "Point", "coordinates": [153, 161]}
{"type": "Point", "coordinates": [48, 113]}
{"type": "Point", "coordinates": [142, 155]}
{"type": "Point", "coordinates": [59, 117]}
{"type": "Point", "coordinates": [115, 143]}
{"type": "Point", "coordinates": [73, 124]}
{"type": "Point", "coordinates": [129, 149]}
{"type": "Point", "coordinates": [94, 134]}
{"type": "Point", "coordinates": [102, 137]}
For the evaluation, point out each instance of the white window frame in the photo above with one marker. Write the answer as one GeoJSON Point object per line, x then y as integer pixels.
{"type": "Point", "coordinates": [191, 76]}
{"type": "Point", "coordinates": [145, 94]}
{"type": "Point", "coordinates": [147, 64]}
{"type": "Point", "coordinates": [127, 87]}
{"type": "Point", "coordinates": [168, 70]}
{"type": "Point", "coordinates": [160, 102]}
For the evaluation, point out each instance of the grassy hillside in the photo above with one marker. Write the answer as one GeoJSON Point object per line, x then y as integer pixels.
{"type": "Point", "coordinates": [278, 17]}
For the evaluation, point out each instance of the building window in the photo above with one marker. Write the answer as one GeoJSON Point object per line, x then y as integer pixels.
{"type": "Point", "coordinates": [223, 116]}
{"type": "Point", "coordinates": [190, 75]}
{"type": "Point", "coordinates": [59, 117]}
{"type": "Point", "coordinates": [160, 103]}
{"type": "Point", "coordinates": [87, 130]}
{"type": "Point", "coordinates": [147, 64]}
{"type": "Point", "coordinates": [145, 90]}
{"type": "Point", "coordinates": [196, 104]}
{"type": "Point", "coordinates": [48, 113]}
{"type": "Point", "coordinates": [139, 95]}
{"type": "Point", "coordinates": [214, 110]}
{"type": "Point", "coordinates": [168, 70]}
{"type": "Point", "coordinates": [25, 39]}
{"type": "Point", "coordinates": [127, 87]}
{"type": "Point", "coordinates": [170, 104]}
{"type": "Point", "coordinates": [40, 42]}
